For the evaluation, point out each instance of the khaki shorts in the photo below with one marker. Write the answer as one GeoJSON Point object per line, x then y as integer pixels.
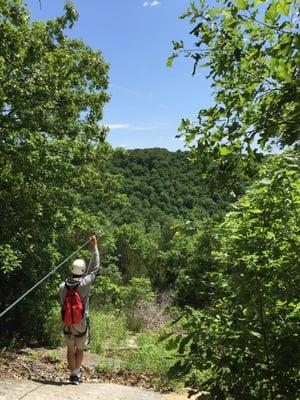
{"type": "Point", "coordinates": [74, 337]}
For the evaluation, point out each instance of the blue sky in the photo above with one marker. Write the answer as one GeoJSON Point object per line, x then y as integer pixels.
{"type": "Point", "coordinates": [148, 99]}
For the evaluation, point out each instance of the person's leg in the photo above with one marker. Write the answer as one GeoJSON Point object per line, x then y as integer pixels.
{"type": "Point", "coordinates": [79, 357]}
{"type": "Point", "coordinates": [71, 357]}
{"type": "Point", "coordinates": [80, 346]}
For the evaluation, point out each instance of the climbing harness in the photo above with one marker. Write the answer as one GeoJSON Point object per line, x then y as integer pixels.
{"type": "Point", "coordinates": [42, 280]}
{"type": "Point", "coordinates": [67, 331]}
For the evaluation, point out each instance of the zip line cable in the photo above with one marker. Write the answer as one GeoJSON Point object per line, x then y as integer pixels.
{"type": "Point", "coordinates": [52, 272]}
{"type": "Point", "coordinates": [42, 280]}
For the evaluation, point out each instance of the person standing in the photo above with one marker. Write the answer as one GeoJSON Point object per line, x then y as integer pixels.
{"type": "Point", "coordinates": [74, 297]}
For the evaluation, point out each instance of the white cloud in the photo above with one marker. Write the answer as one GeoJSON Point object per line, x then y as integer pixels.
{"type": "Point", "coordinates": [143, 128]}
{"type": "Point", "coordinates": [131, 127]}
{"type": "Point", "coordinates": [154, 3]}
{"type": "Point", "coordinates": [118, 126]}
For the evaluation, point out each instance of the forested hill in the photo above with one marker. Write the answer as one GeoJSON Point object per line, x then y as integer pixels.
{"type": "Point", "coordinates": [161, 184]}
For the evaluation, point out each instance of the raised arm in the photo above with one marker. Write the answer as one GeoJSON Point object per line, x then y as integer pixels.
{"type": "Point", "coordinates": [94, 264]}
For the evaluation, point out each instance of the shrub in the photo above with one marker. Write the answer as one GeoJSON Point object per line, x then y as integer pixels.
{"type": "Point", "coordinates": [53, 329]}
{"type": "Point", "coordinates": [137, 295]}
{"type": "Point", "coordinates": [138, 292]}
{"type": "Point", "coordinates": [151, 357]}
{"type": "Point", "coordinates": [108, 332]}
{"type": "Point", "coordinates": [107, 294]}
{"type": "Point", "coordinates": [52, 356]}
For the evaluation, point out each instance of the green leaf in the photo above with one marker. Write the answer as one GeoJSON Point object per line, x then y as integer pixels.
{"type": "Point", "coordinates": [271, 14]}
{"type": "Point", "coordinates": [283, 6]}
{"type": "Point", "coordinates": [256, 334]}
{"type": "Point", "coordinates": [242, 4]}
{"type": "Point", "coordinates": [225, 150]}
{"type": "Point", "coordinates": [170, 60]}
{"type": "Point", "coordinates": [255, 211]}
{"type": "Point", "coordinates": [257, 2]}
{"type": "Point", "coordinates": [283, 72]}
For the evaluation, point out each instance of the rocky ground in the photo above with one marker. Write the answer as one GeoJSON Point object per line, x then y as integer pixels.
{"type": "Point", "coordinates": [39, 373]}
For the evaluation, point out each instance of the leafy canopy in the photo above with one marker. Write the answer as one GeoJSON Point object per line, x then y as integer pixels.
{"type": "Point", "coordinates": [251, 50]}
{"type": "Point", "coordinates": [52, 155]}
{"type": "Point", "coordinates": [49, 83]}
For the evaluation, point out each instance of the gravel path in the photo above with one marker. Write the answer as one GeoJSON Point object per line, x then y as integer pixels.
{"type": "Point", "coordinates": [34, 390]}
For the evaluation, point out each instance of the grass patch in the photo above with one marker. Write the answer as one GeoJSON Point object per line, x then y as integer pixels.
{"type": "Point", "coordinates": [150, 361]}
{"type": "Point", "coordinates": [108, 333]}
{"type": "Point", "coordinates": [32, 356]}
{"type": "Point", "coordinates": [148, 358]}
{"type": "Point", "coordinates": [52, 356]}
{"type": "Point", "coordinates": [152, 358]}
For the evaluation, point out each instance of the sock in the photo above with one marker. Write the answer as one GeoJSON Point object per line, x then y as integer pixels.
{"type": "Point", "coordinates": [76, 372]}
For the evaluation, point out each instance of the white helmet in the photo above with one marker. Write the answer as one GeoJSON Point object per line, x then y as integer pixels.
{"type": "Point", "coordinates": [78, 267]}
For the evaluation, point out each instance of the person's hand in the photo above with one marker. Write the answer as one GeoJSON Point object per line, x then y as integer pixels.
{"type": "Point", "coordinates": [93, 241]}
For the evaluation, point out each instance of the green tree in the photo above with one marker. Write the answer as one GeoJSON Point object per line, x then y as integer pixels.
{"type": "Point", "coordinates": [247, 339]}
{"type": "Point", "coordinates": [136, 251]}
{"type": "Point", "coordinates": [251, 50]}
{"type": "Point", "coordinates": [161, 184]}
{"type": "Point", "coordinates": [199, 267]}
{"type": "Point", "coordinates": [52, 93]}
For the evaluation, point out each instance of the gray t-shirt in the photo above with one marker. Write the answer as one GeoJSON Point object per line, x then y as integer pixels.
{"type": "Point", "coordinates": [85, 282]}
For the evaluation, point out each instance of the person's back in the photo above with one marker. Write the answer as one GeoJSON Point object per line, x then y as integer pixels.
{"type": "Point", "coordinates": [77, 334]}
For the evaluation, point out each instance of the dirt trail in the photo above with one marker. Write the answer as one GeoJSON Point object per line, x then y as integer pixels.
{"type": "Point", "coordinates": [30, 390]}
{"type": "Point", "coordinates": [42, 390]}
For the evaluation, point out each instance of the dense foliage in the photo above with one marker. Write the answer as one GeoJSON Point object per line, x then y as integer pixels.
{"type": "Point", "coordinates": [165, 195]}
{"type": "Point", "coordinates": [162, 185]}
{"type": "Point", "coordinates": [247, 337]}
{"type": "Point", "coordinates": [51, 153]}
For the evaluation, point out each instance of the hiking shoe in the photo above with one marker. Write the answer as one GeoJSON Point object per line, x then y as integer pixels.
{"type": "Point", "coordinates": [74, 379]}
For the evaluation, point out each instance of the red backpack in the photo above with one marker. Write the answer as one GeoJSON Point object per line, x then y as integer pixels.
{"type": "Point", "coordinates": [72, 310]}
